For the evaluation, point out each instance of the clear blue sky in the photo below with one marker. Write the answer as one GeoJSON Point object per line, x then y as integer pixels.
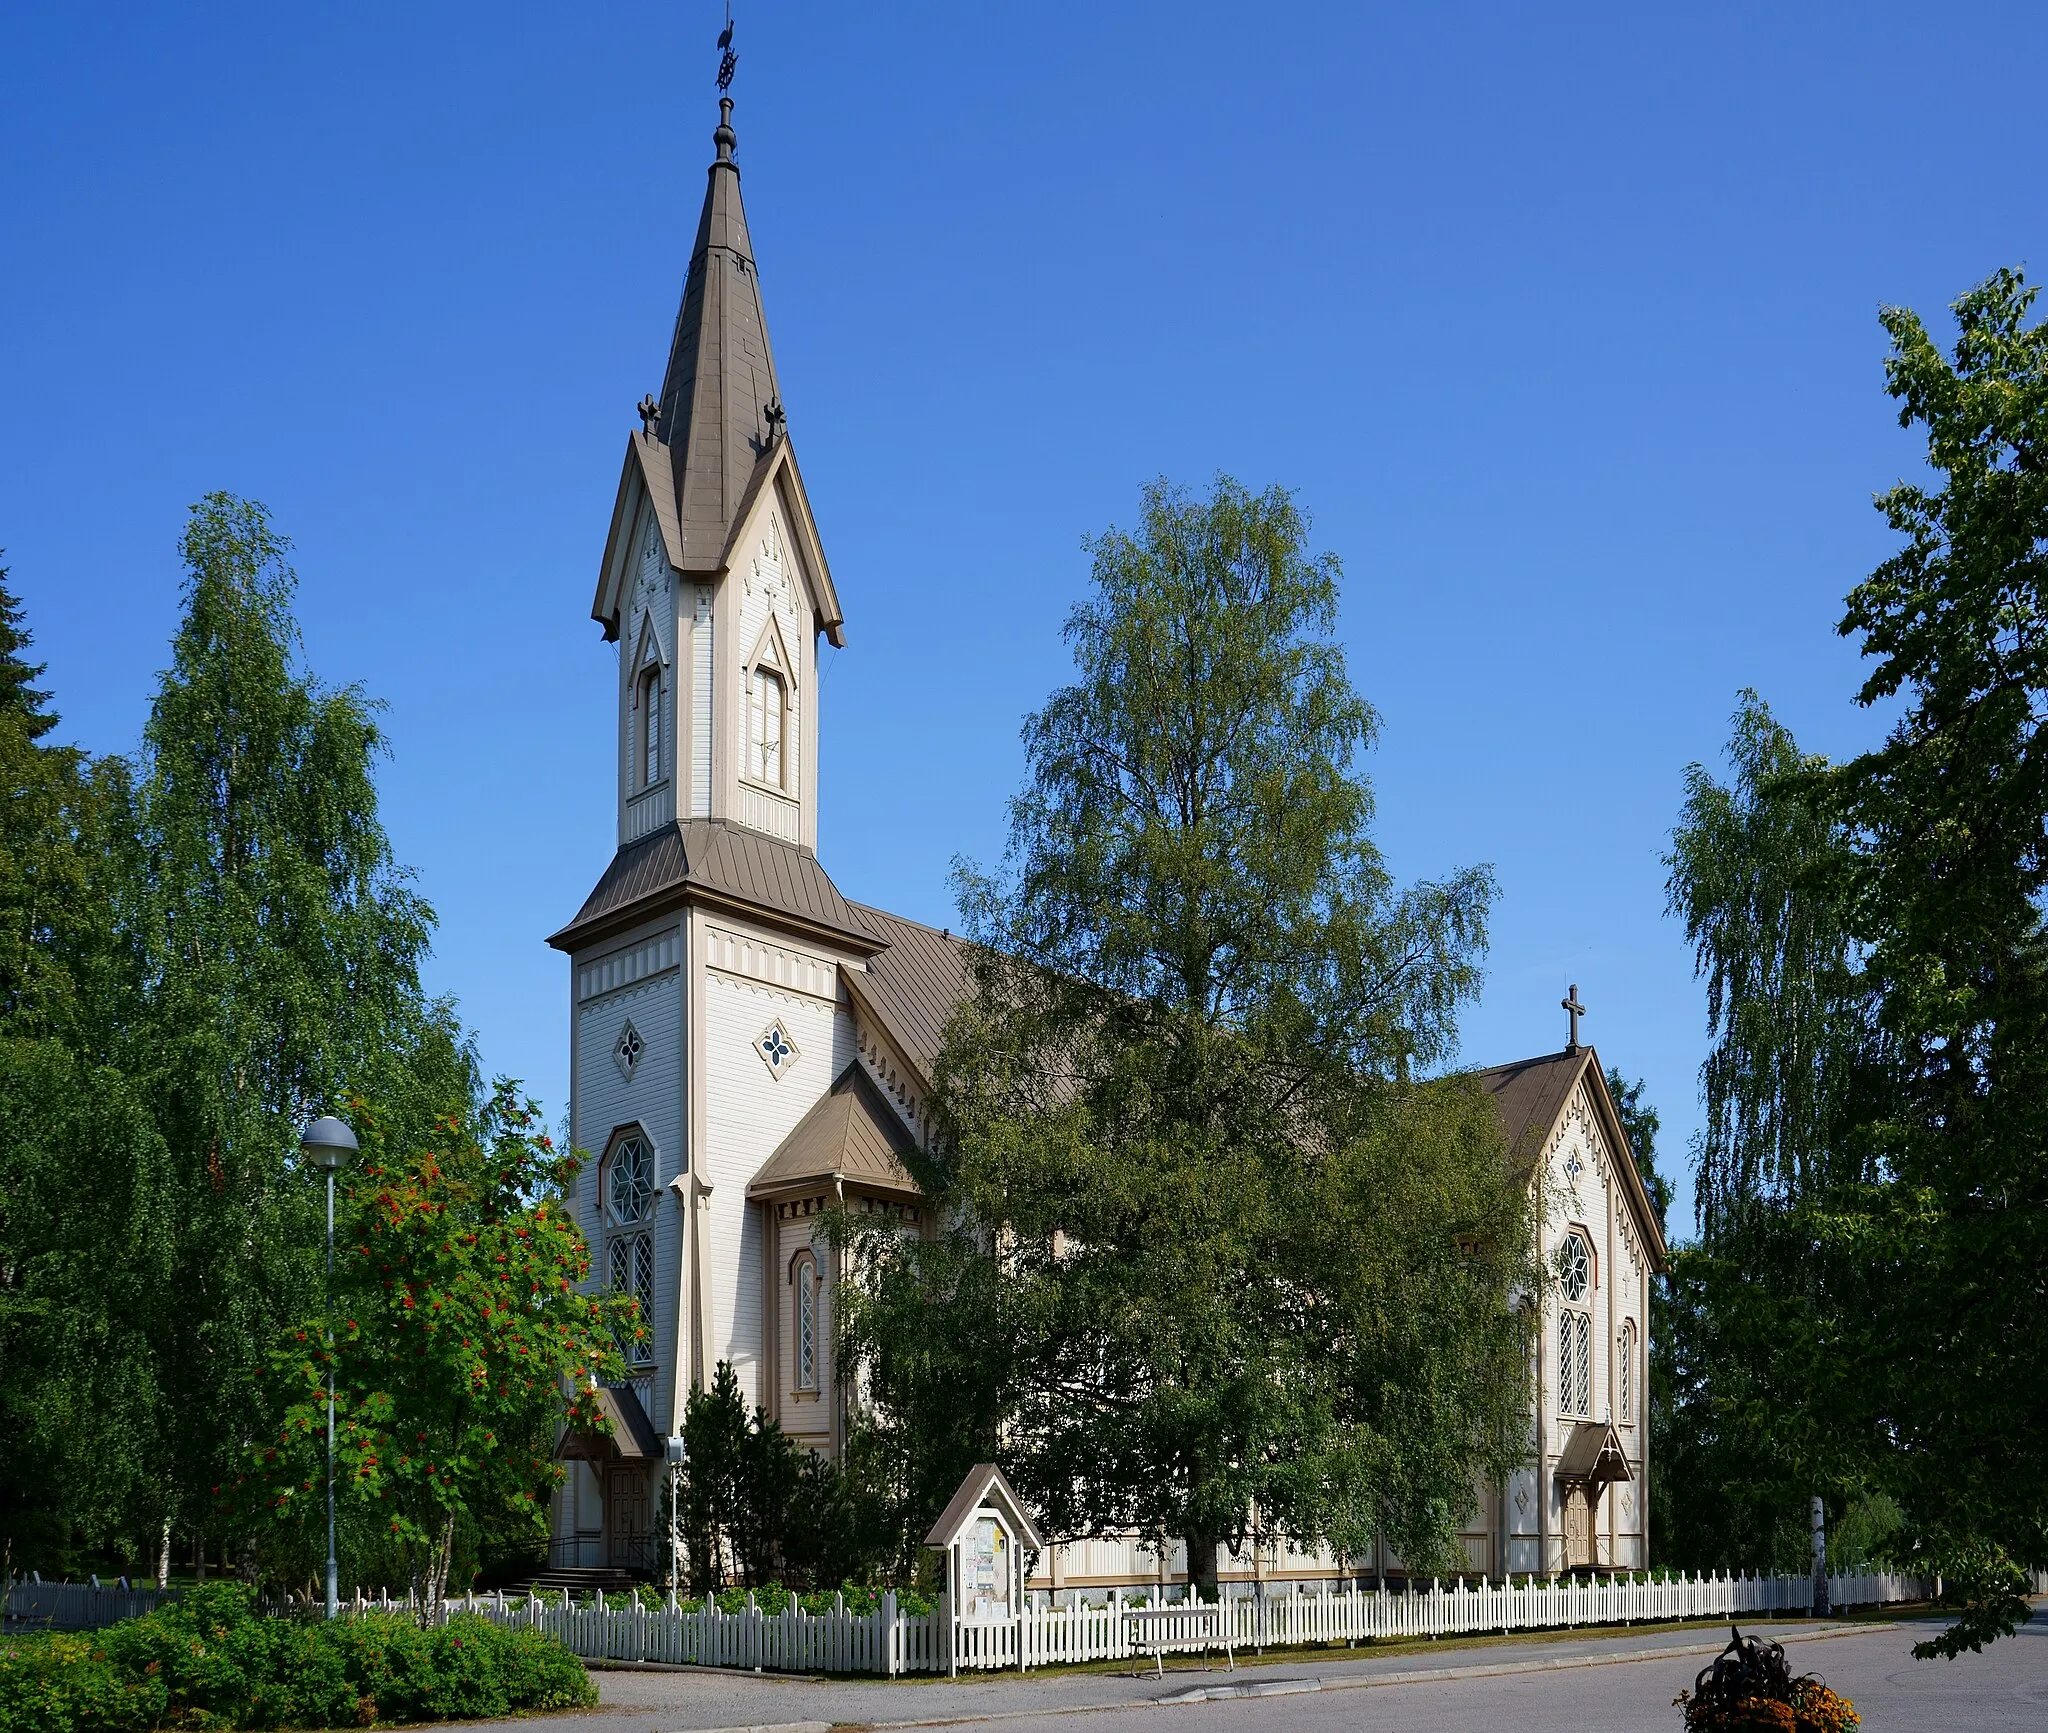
{"type": "Point", "coordinates": [1561, 320]}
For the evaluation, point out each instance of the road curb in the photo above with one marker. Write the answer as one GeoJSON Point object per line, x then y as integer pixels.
{"type": "Point", "coordinates": [1223, 1693]}
{"type": "Point", "coordinates": [775, 1727]}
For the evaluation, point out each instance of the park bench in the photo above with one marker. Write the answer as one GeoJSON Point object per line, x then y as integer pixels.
{"type": "Point", "coordinates": [1191, 1625]}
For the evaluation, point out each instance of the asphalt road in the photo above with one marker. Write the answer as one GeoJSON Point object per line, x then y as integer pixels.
{"type": "Point", "coordinates": [1603, 1684]}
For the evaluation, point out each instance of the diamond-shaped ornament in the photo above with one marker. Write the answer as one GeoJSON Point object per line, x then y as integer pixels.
{"type": "Point", "coordinates": [778, 1049]}
{"type": "Point", "coordinates": [626, 1051]}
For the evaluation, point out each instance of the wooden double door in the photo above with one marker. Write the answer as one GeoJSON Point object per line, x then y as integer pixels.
{"type": "Point", "coordinates": [629, 1517]}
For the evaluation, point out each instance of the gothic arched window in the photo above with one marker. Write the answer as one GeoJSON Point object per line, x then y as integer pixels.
{"type": "Point", "coordinates": [1626, 1383]}
{"type": "Point", "coordinates": [767, 707]}
{"type": "Point", "coordinates": [1574, 1362]}
{"type": "Point", "coordinates": [1575, 1267]}
{"type": "Point", "coordinates": [632, 1272]}
{"type": "Point", "coordinates": [626, 1179]}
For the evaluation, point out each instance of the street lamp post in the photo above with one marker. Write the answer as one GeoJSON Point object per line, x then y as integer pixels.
{"type": "Point", "coordinates": [328, 1143]}
{"type": "Point", "coordinates": [672, 1449]}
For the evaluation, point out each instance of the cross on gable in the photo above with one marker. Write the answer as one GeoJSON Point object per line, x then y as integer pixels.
{"type": "Point", "coordinates": [1570, 1003]}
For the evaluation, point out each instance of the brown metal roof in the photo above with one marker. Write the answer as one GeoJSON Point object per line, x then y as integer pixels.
{"type": "Point", "coordinates": [985, 1484]}
{"type": "Point", "coordinates": [721, 862]}
{"type": "Point", "coordinates": [713, 447]}
{"type": "Point", "coordinates": [1531, 1093]}
{"type": "Point", "coordinates": [853, 1135]}
{"type": "Point", "coordinates": [721, 372]}
{"type": "Point", "coordinates": [913, 986]}
{"type": "Point", "coordinates": [632, 1437]}
{"type": "Point", "coordinates": [1593, 1453]}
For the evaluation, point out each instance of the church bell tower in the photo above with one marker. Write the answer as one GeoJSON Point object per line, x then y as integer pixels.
{"type": "Point", "coordinates": [714, 583]}
{"type": "Point", "coordinates": [708, 964]}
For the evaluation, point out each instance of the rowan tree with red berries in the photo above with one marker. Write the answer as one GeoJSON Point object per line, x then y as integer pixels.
{"type": "Point", "coordinates": [461, 1337]}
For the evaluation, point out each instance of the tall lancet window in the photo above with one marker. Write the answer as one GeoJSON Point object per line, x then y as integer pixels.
{"type": "Point", "coordinates": [1626, 1382]}
{"type": "Point", "coordinates": [807, 1326]}
{"type": "Point", "coordinates": [766, 702]}
{"type": "Point", "coordinates": [647, 702]}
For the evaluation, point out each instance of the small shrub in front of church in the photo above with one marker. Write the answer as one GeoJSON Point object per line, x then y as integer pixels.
{"type": "Point", "coordinates": [1750, 1689]}
{"type": "Point", "coordinates": [209, 1660]}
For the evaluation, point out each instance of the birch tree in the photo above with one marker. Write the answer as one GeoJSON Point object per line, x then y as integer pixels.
{"type": "Point", "coordinates": [1222, 1267]}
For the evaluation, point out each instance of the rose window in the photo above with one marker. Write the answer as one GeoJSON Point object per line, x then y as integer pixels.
{"type": "Point", "coordinates": [1575, 1268]}
{"type": "Point", "coordinates": [631, 1187]}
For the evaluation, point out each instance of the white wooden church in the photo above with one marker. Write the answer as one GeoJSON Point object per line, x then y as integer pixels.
{"type": "Point", "coordinates": [751, 1048]}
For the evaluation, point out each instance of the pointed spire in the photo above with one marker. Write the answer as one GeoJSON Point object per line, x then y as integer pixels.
{"type": "Point", "coordinates": [721, 407]}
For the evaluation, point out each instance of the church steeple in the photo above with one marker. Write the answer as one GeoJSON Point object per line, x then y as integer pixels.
{"type": "Point", "coordinates": [721, 406]}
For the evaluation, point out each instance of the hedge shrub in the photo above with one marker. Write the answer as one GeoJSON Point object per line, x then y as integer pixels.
{"type": "Point", "coordinates": [774, 1598]}
{"type": "Point", "coordinates": [207, 1660]}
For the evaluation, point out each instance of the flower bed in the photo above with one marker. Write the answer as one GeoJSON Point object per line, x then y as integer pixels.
{"type": "Point", "coordinates": [208, 1660]}
{"type": "Point", "coordinates": [1750, 1689]}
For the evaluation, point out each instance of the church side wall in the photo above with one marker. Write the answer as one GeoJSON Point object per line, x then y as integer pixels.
{"type": "Point", "coordinates": [607, 1100]}
{"type": "Point", "coordinates": [749, 1111]}
{"type": "Point", "coordinates": [637, 980]}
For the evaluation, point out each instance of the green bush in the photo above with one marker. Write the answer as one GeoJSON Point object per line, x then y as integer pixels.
{"type": "Point", "coordinates": [207, 1660]}
{"type": "Point", "coordinates": [773, 1598]}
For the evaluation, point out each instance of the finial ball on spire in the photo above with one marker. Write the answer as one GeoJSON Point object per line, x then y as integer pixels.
{"type": "Point", "coordinates": [723, 135]}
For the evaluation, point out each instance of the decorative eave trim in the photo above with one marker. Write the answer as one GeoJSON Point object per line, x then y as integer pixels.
{"type": "Point", "coordinates": [851, 1184]}
{"type": "Point", "coordinates": [866, 1008]}
{"type": "Point", "coordinates": [1592, 1082]}
{"type": "Point", "coordinates": [646, 475]}
{"type": "Point", "coordinates": [766, 484]}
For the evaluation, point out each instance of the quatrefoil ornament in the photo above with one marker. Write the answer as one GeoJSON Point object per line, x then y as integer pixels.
{"type": "Point", "coordinates": [627, 1051]}
{"type": "Point", "coordinates": [777, 1048]}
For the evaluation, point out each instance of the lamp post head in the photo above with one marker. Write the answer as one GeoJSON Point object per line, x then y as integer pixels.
{"type": "Point", "coordinates": [327, 1143]}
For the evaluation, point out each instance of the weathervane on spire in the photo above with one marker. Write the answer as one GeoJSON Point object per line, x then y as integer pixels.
{"type": "Point", "coordinates": [728, 61]}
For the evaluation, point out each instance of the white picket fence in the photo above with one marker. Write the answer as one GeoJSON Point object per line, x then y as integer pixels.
{"type": "Point", "coordinates": [85, 1606]}
{"type": "Point", "coordinates": [889, 1641]}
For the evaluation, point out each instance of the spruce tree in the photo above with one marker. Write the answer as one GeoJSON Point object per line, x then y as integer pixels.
{"type": "Point", "coordinates": [83, 1217]}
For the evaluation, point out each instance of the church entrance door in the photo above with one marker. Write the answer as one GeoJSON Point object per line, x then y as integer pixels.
{"type": "Point", "coordinates": [629, 1518]}
{"type": "Point", "coordinates": [1578, 1527]}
